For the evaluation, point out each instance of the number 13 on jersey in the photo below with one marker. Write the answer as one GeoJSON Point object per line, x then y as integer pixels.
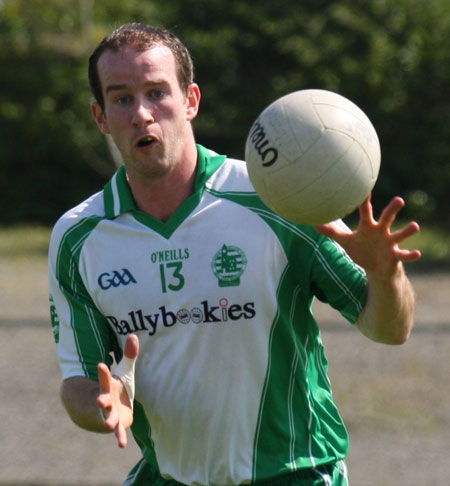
{"type": "Point", "coordinates": [171, 276]}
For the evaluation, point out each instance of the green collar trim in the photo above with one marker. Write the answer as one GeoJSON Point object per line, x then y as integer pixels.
{"type": "Point", "coordinates": [118, 197]}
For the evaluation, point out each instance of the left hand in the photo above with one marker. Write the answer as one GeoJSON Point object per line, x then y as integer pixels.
{"type": "Point", "coordinates": [373, 246]}
{"type": "Point", "coordinates": [113, 399]}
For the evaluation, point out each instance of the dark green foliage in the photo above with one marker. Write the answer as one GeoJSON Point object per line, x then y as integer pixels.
{"type": "Point", "coordinates": [391, 58]}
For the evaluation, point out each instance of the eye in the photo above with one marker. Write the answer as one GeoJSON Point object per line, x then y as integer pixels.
{"type": "Point", "coordinates": [123, 100]}
{"type": "Point", "coordinates": [157, 93]}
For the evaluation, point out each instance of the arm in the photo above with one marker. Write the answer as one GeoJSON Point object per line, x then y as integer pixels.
{"type": "Point", "coordinates": [388, 314]}
{"type": "Point", "coordinates": [79, 397]}
{"type": "Point", "coordinates": [104, 406]}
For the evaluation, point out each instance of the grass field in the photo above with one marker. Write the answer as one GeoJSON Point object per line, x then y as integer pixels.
{"type": "Point", "coordinates": [25, 241]}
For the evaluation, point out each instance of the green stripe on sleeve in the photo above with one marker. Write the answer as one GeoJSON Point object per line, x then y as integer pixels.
{"type": "Point", "coordinates": [92, 334]}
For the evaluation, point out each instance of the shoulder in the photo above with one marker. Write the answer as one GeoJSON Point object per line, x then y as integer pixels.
{"type": "Point", "coordinates": [232, 175]}
{"type": "Point", "coordinates": [90, 210]}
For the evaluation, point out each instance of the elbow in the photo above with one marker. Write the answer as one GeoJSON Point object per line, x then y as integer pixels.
{"type": "Point", "coordinates": [392, 340]}
{"type": "Point", "coordinates": [399, 332]}
{"type": "Point", "coordinates": [79, 397]}
{"type": "Point", "coordinates": [389, 340]}
{"type": "Point", "coordinates": [394, 334]}
{"type": "Point", "coordinates": [402, 338]}
{"type": "Point", "coordinates": [397, 340]}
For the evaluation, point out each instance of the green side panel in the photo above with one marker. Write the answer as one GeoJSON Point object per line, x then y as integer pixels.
{"type": "Point", "coordinates": [93, 336]}
{"type": "Point", "coordinates": [142, 434]}
{"type": "Point", "coordinates": [299, 425]}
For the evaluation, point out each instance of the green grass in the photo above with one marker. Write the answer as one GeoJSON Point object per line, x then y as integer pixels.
{"type": "Point", "coordinates": [32, 241]}
{"type": "Point", "coordinates": [24, 241]}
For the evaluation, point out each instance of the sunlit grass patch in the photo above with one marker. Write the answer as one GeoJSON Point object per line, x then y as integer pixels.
{"type": "Point", "coordinates": [24, 241]}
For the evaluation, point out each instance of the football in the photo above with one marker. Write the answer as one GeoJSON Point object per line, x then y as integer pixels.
{"type": "Point", "coordinates": [313, 156]}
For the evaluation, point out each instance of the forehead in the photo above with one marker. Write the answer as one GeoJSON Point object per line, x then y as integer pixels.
{"type": "Point", "coordinates": [130, 66]}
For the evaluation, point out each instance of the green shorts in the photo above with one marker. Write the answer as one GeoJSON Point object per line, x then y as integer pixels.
{"type": "Point", "coordinates": [334, 474]}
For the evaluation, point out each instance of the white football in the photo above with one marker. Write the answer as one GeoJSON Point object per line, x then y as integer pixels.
{"type": "Point", "coordinates": [313, 156]}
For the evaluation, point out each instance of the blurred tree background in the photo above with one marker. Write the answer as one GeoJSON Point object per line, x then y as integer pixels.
{"type": "Point", "coordinates": [390, 58]}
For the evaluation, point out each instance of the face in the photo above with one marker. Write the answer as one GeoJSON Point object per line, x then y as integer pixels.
{"type": "Point", "coordinates": [146, 112]}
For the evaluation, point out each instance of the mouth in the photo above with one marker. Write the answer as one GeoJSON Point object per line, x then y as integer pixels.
{"type": "Point", "coordinates": [145, 142]}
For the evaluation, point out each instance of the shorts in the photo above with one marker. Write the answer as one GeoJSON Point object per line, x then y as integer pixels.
{"type": "Point", "coordinates": [334, 474]}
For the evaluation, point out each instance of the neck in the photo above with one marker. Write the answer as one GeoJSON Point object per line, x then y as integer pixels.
{"type": "Point", "coordinates": [161, 197]}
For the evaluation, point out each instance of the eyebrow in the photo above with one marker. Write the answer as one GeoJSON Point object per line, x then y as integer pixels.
{"type": "Point", "coordinates": [116, 87]}
{"type": "Point", "coordinates": [119, 87]}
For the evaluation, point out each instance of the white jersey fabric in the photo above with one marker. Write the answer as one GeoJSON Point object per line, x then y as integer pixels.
{"type": "Point", "coordinates": [231, 378]}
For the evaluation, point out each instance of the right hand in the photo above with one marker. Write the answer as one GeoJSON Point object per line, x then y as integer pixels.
{"type": "Point", "coordinates": [113, 398]}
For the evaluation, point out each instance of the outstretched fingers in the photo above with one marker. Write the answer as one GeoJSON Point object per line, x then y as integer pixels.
{"type": "Point", "coordinates": [104, 378]}
{"type": "Point", "coordinates": [401, 235]}
{"type": "Point", "coordinates": [117, 417]}
{"type": "Point", "coordinates": [121, 435]}
{"type": "Point", "coordinates": [404, 233]}
{"type": "Point", "coordinates": [104, 399]}
{"type": "Point", "coordinates": [407, 255]}
{"type": "Point", "coordinates": [390, 212]}
{"type": "Point", "coordinates": [366, 210]}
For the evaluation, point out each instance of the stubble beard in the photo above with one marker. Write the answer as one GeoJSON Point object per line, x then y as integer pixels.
{"type": "Point", "coordinates": [158, 164]}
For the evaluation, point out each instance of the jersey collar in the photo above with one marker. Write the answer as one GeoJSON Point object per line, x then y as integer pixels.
{"type": "Point", "coordinates": [117, 195]}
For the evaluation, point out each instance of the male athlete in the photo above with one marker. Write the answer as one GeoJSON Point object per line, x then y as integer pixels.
{"type": "Point", "coordinates": [203, 295]}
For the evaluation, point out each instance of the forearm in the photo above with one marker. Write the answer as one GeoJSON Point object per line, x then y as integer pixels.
{"type": "Point", "coordinates": [388, 315]}
{"type": "Point", "coordinates": [79, 397]}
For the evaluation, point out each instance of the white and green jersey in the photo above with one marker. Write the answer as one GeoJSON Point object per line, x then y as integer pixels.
{"type": "Point", "coordinates": [231, 379]}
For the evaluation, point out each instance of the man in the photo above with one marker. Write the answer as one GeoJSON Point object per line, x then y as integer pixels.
{"type": "Point", "coordinates": [177, 256]}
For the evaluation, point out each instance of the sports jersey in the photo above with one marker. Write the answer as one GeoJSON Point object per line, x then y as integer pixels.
{"type": "Point", "coordinates": [231, 377]}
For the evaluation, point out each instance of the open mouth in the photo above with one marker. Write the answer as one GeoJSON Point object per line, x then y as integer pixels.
{"type": "Point", "coordinates": [145, 142]}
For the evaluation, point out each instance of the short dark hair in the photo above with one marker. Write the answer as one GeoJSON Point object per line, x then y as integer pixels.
{"type": "Point", "coordinates": [141, 37]}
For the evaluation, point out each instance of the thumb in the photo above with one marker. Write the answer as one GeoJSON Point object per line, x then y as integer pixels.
{"type": "Point", "coordinates": [325, 229]}
{"type": "Point", "coordinates": [132, 346]}
{"type": "Point", "coordinates": [335, 229]}
{"type": "Point", "coordinates": [125, 369]}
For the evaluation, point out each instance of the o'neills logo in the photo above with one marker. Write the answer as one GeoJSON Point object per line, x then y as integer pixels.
{"type": "Point", "coordinates": [258, 138]}
{"type": "Point", "coordinates": [138, 320]}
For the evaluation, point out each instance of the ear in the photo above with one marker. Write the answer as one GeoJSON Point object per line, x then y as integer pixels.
{"type": "Point", "coordinates": [193, 101]}
{"type": "Point", "coordinates": [100, 118]}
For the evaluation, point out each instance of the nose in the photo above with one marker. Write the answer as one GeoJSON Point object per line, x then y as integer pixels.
{"type": "Point", "coordinates": [143, 113]}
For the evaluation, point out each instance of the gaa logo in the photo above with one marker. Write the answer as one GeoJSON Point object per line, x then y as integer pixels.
{"type": "Point", "coordinates": [115, 278]}
{"type": "Point", "coordinates": [228, 265]}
